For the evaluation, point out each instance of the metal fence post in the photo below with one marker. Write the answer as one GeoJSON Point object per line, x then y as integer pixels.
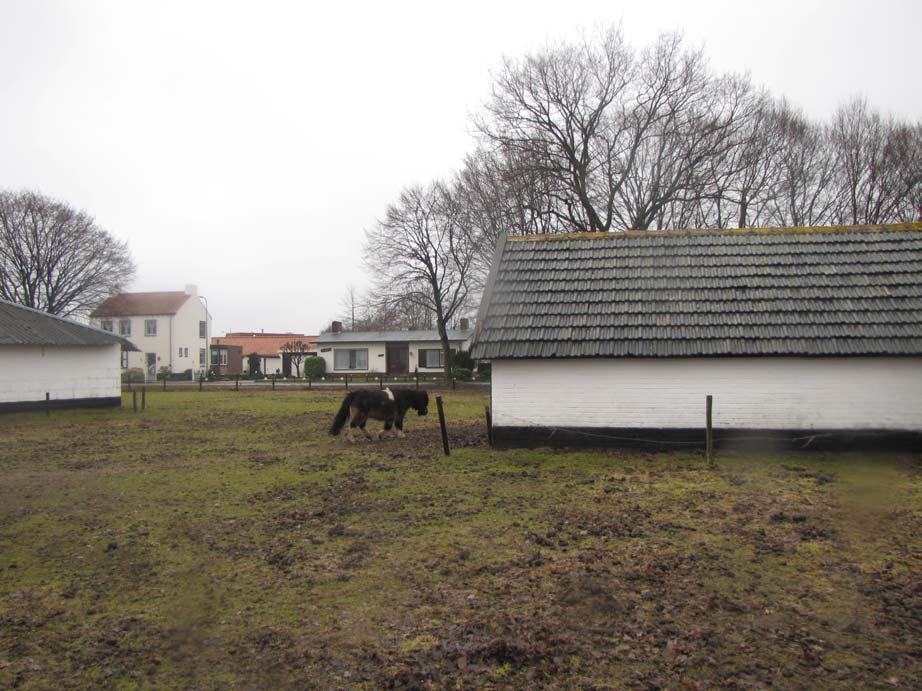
{"type": "Point", "coordinates": [710, 430]}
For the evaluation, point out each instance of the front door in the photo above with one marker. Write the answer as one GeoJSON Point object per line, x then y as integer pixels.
{"type": "Point", "coordinates": [151, 361]}
{"type": "Point", "coordinates": [398, 358]}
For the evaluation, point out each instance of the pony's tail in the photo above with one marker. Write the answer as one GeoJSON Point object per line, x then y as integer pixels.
{"type": "Point", "coordinates": [342, 415]}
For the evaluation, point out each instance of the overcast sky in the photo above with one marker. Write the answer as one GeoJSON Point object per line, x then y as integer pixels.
{"type": "Point", "coordinates": [245, 147]}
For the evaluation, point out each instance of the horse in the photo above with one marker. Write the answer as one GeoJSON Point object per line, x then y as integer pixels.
{"type": "Point", "coordinates": [389, 406]}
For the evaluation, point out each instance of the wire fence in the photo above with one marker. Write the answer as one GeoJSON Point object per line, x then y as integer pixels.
{"type": "Point", "coordinates": [273, 383]}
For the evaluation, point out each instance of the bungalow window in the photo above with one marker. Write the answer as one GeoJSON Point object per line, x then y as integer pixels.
{"type": "Point", "coordinates": [124, 359]}
{"type": "Point", "coordinates": [203, 329]}
{"type": "Point", "coordinates": [124, 327]}
{"type": "Point", "coordinates": [431, 357]}
{"type": "Point", "coordinates": [106, 325]}
{"type": "Point", "coordinates": [350, 358]}
{"type": "Point", "coordinates": [150, 327]}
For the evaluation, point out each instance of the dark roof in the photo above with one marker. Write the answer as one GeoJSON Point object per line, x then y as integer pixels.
{"type": "Point", "coordinates": [138, 304]}
{"type": "Point", "coordinates": [21, 325]}
{"type": "Point", "coordinates": [384, 336]}
{"type": "Point", "coordinates": [854, 290]}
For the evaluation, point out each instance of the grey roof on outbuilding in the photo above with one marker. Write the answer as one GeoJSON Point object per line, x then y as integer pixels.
{"type": "Point", "coordinates": [385, 336]}
{"type": "Point", "coordinates": [20, 325]}
{"type": "Point", "coordinates": [848, 290]}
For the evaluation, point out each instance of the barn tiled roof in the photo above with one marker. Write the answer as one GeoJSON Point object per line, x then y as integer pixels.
{"type": "Point", "coordinates": [141, 304]}
{"type": "Point", "coordinates": [854, 290]}
{"type": "Point", "coordinates": [21, 325]}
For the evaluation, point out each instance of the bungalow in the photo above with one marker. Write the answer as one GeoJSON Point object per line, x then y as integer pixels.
{"type": "Point", "coordinates": [47, 360]}
{"type": "Point", "coordinates": [804, 335]}
{"type": "Point", "coordinates": [270, 348]}
{"type": "Point", "coordinates": [388, 352]}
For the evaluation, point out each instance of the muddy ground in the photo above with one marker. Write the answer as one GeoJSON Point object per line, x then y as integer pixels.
{"type": "Point", "coordinates": [224, 540]}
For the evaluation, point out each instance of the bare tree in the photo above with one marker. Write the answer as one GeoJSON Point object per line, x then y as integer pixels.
{"type": "Point", "coordinates": [296, 350]}
{"type": "Point", "coordinates": [805, 191]}
{"type": "Point", "coordinates": [56, 259]}
{"type": "Point", "coordinates": [421, 253]}
{"type": "Point", "coordinates": [876, 170]}
{"type": "Point", "coordinates": [350, 303]}
{"type": "Point", "coordinates": [565, 110]}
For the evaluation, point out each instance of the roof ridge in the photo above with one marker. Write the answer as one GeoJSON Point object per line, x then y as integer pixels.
{"type": "Point", "coordinates": [685, 232]}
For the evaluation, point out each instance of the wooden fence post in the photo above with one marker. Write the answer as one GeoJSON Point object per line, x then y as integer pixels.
{"type": "Point", "coordinates": [48, 403]}
{"type": "Point", "coordinates": [438, 404]}
{"type": "Point", "coordinates": [273, 382]}
{"type": "Point", "coordinates": [346, 380]}
{"type": "Point", "coordinates": [309, 382]}
{"type": "Point", "coordinates": [380, 382]}
{"type": "Point", "coordinates": [134, 400]}
{"type": "Point", "coordinates": [417, 377]}
{"type": "Point", "coordinates": [143, 398]}
{"type": "Point", "coordinates": [710, 431]}
{"type": "Point", "coordinates": [237, 383]}
{"type": "Point", "coordinates": [489, 426]}
{"type": "Point", "coordinates": [201, 381]}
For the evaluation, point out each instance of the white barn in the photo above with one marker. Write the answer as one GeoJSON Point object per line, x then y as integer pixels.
{"type": "Point", "coordinates": [75, 365]}
{"type": "Point", "coordinates": [810, 336]}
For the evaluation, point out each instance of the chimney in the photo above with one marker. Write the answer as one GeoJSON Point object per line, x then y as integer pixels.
{"type": "Point", "coordinates": [337, 327]}
{"type": "Point", "coordinates": [465, 324]}
{"type": "Point", "coordinates": [192, 289]}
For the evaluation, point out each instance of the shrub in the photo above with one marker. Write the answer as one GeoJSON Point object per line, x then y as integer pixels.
{"type": "Point", "coordinates": [164, 372]}
{"type": "Point", "coordinates": [133, 374]}
{"type": "Point", "coordinates": [253, 363]}
{"type": "Point", "coordinates": [315, 367]}
{"type": "Point", "coordinates": [463, 374]}
{"type": "Point", "coordinates": [484, 371]}
{"type": "Point", "coordinates": [464, 360]}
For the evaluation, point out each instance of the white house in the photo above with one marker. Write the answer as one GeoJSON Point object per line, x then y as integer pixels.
{"type": "Point", "coordinates": [809, 336]}
{"type": "Point", "coordinates": [170, 329]}
{"type": "Point", "coordinates": [387, 352]}
{"type": "Point", "coordinates": [43, 355]}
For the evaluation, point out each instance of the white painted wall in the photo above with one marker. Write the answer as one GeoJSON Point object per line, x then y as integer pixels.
{"type": "Point", "coordinates": [755, 393]}
{"type": "Point", "coordinates": [27, 372]}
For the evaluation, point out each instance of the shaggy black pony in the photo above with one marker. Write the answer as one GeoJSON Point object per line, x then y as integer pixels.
{"type": "Point", "coordinates": [389, 406]}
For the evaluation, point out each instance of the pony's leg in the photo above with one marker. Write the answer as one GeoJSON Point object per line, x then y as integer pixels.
{"type": "Point", "coordinates": [362, 422]}
{"type": "Point", "coordinates": [353, 417]}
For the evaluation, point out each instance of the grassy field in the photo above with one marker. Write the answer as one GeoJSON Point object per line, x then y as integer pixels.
{"type": "Point", "coordinates": [224, 540]}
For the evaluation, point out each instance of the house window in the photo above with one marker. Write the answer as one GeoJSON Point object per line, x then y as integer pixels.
{"type": "Point", "coordinates": [150, 327]}
{"type": "Point", "coordinates": [350, 358]}
{"type": "Point", "coordinates": [106, 325]}
{"type": "Point", "coordinates": [431, 357]}
{"type": "Point", "coordinates": [202, 356]}
{"type": "Point", "coordinates": [183, 352]}
{"type": "Point", "coordinates": [214, 356]}
{"type": "Point", "coordinates": [124, 327]}
{"type": "Point", "coordinates": [203, 329]}
{"type": "Point", "coordinates": [222, 355]}
{"type": "Point", "coordinates": [124, 359]}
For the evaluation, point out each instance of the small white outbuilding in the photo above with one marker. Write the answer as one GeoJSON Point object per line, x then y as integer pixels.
{"type": "Point", "coordinates": [811, 337]}
{"type": "Point", "coordinates": [41, 355]}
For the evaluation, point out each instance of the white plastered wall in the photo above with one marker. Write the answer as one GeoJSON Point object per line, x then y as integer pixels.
{"type": "Point", "coordinates": [28, 372]}
{"type": "Point", "coordinates": [749, 393]}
